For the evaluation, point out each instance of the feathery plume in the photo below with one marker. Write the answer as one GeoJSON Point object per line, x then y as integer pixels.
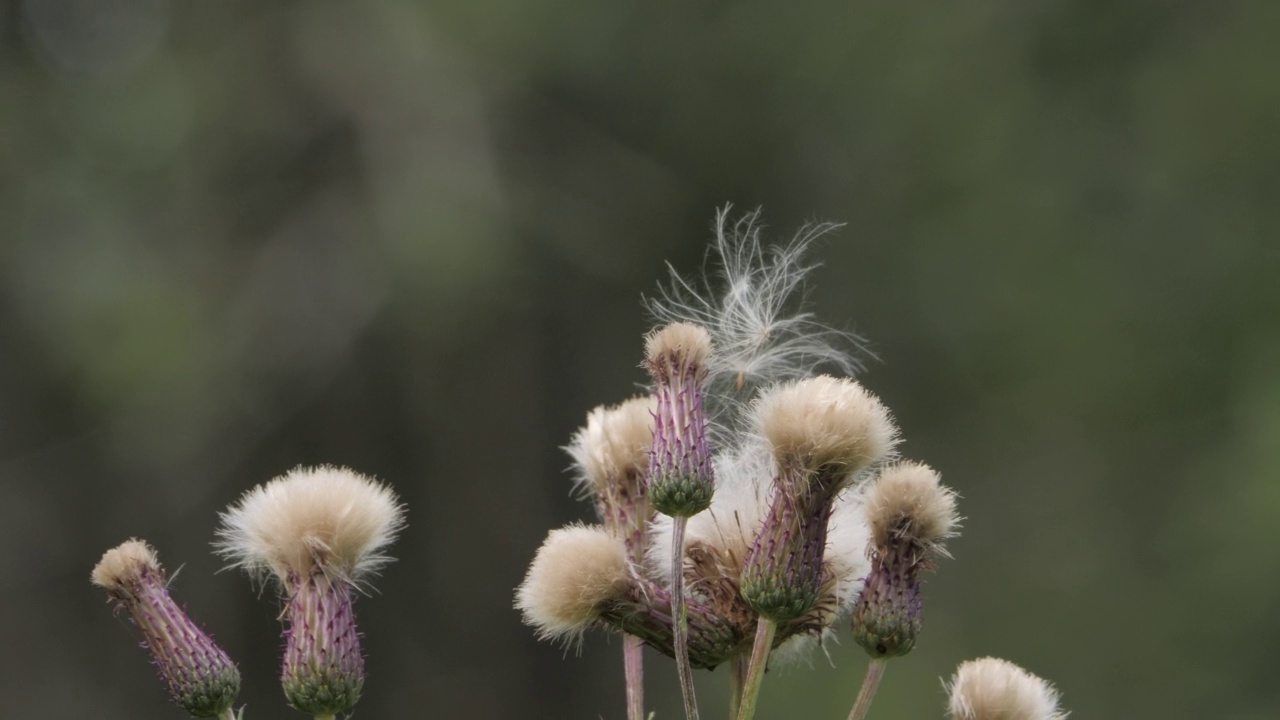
{"type": "Point", "coordinates": [910, 514]}
{"type": "Point", "coordinates": [752, 302]}
{"type": "Point", "coordinates": [199, 675]}
{"type": "Point", "coordinates": [994, 689]}
{"type": "Point", "coordinates": [822, 432]}
{"type": "Point", "coordinates": [320, 532]}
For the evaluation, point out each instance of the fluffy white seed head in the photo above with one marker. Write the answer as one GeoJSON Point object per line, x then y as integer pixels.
{"type": "Point", "coordinates": [614, 442]}
{"type": "Point", "coordinates": [825, 421]}
{"type": "Point", "coordinates": [908, 498]}
{"type": "Point", "coordinates": [123, 564]}
{"type": "Point", "coordinates": [994, 689]}
{"type": "Point", "coordinates": [751, 299]}
{"type": "Point", "coordinates": [682, 342]}
{"type": "Point", "coordinates": [577, 570]}
{"type": "Point", "coordinates": [325, 518]}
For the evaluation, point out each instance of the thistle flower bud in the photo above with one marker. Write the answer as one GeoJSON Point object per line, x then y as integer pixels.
{"type": "Point", "coordinates": [910, 515]}
{"type": "Point", "coordinates": [201, 678]}
{"type": "Point", "coordinates": [611, 455]}
{"type": "Point", "coordinates": [822, 432]}
{"type": "Point", "coordinates": [320, 532]}
{"type": "Point", "coordinates": [994, 689]}
{"type": "Point", "coordinates": [581, 578]}
{"type": "Point", "coordinates": [680, 474]}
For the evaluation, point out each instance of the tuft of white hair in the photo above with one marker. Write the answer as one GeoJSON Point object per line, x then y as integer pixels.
{"type": "Point", "coordinates": [686, 342]}
{"type": "Point", "coordinates": [994, 689]}
{"type": "Point", "coordinates": [124, 563]}
{"type": "Point", "coordinates": [909, 498]}
{"type": "Point", "coordinates": [751, 299]}
{"type": "Point", "coordinates": [328, 519]}
{"type": "Point", "coordinates": [577, 570]}
{"type": "Point", "coordinates": [822, 421]}
{"type": "Point", "coordinates": [614, 442]}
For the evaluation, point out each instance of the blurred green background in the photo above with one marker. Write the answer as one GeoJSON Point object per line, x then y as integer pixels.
{"type": "Point", "coordinates": [412, 238]}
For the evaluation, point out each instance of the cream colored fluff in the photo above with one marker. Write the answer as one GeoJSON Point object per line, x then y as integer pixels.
{"type": "Point", "coordinates": [578, 568]}
{"type": "Point", "coordinates": [327, 518]}
{"type": "Point", "coordinates": [614, 442]}
{"type": "Point", "coordinates": [687, 342]}
{"type": "Point", "coordinates": [911, 491]}
{"type": "Point", "coordinates": [823, 421]}
{"type": "Point", "coordinates": [994, 689]}
{"type": "Point", "coordinates": [124, 563]}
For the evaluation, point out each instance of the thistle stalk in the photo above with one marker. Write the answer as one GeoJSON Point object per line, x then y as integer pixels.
{"type": "Point", "coordinates": [765, 631]}
{"type": "Point", "coordinates": [867, 693]}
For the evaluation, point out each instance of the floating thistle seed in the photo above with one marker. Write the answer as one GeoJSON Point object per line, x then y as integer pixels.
{"type": "Point", "coordinates": [320, 533]}
{"type": "Point", "coordinates": [201, 678]}
{"type": "Point", "coordinates": [680, 473]}
{"type": "Point", "coordinates": [822, 432]}
{"type": "Point", "coordinates": [911, 514]}
{"type": "Point", "coordinates": [581, 579]}
{"type": "Point", "coordinates": [611, 456]}
{"type": "Point", "coordinates": [994, 689]}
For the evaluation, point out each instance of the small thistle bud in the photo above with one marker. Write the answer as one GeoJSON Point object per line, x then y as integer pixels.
{"type": "Point", "coordinates": [680, 474]}
{"type": "Point", "coordinates": [201, 678]}
{"type": "Point", "coordinates": [822, 432]}
{"type": "Point", "coordinates": [320, 532]}
{"type": "Point", "coordinates": [994, 689]}
{"type": "Point", "coordinates": [581, 578]}
{"type": "Point", "coordinates": [611, 455]}
{"type": "Point", "coordinates": [910, 515]}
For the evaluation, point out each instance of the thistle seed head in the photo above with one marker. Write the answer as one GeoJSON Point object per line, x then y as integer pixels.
{"type": "Point", "coordinates": [199, 675]}
{"type": "Point", "coordinates": [576, 573]}
{"type": "Point", "coordinates": [327, 519]}
{"type": "Point", "coordinates": [910, 513]}
{"type": "Point", "coordinates": [994, 689]}
{"type": "Point", "coordinates": [680, 472]}
{"type": "Point", "coordinates": [611, 457]}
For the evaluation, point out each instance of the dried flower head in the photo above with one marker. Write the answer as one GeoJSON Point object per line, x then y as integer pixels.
{"type": "Point", "coordinates": [680, 471]}
{"type": "Point", "coordinates": [325, 518]}
{"type": "Point", "coordinates": [994, 689]}
{"type": "Point", "coordinates": [575, 573]}
{"type": "Point", "coordinates": [910, 514]}
{"type": "Point", "coordinates": [611, 456]}
{"type": "Point", "coordinates": [580, 579]}
{"type": "Point", "coordinates": [822, 432]}
{"type": "Point", "coordinates": [751, 300]}
{"type": "Point", "coordinates": [320, 532]}
{"type": "Point", "coordinates": [200, 677]}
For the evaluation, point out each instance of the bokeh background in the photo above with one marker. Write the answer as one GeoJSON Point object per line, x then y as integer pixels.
{"type": "Point", "coordinates": [412, 238]}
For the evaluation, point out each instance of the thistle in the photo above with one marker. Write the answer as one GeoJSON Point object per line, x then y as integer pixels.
{"type": "Point", "coordinates": [822, 432]}
{"type": "Point", "coordinates": [910, 515]}
{"type": "Point", "coordinates": [994, 689]}
{"type": "Point", "coordinates": [581, 579]}
{"type": "Point", "coordinates": [680, 471]}
{"type": "Point", "coordinates": [320, 533]}
{"type": "Point", "coordinates": [611, 456]}
{"type": "Point", "coordinates": [200, 677]}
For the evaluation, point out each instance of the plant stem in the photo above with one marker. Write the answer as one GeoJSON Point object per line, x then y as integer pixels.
{"type": "Point", "coordinates": [227, 714]}
{"type": "Point", "coordinates": [680, 618]}
{"type": "Point", "coordinates": [737, 675]}
{"type": "Point", "coordinates": [765, 628]}
{"type": "Point", "coordinates": [633, 665]}
{"type": "Point", "coordinates": [875, 671]}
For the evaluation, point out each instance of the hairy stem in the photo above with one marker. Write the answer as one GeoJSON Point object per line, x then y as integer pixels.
{"type": "Point", "coordinates": [680, 618]}
{"type": "Point", "coordinates": [875, 671]}
{"type": "Point", "coordinates": [765, 630]}
{"type": "Point", "coordinates": [633, 665]}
